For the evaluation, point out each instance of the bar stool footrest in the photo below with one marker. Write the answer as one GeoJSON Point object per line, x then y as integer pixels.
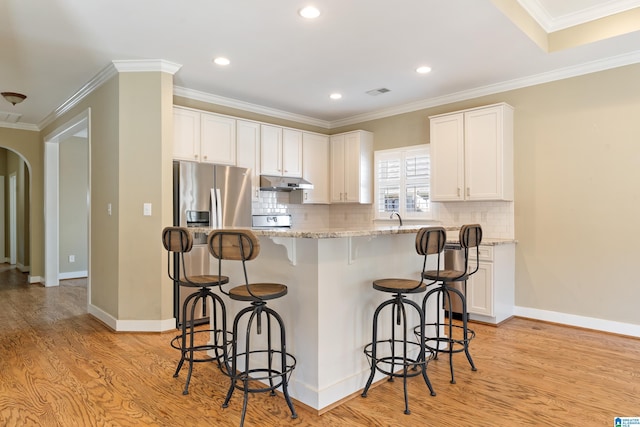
{"type": "Point", "coordinates": [454, 345]}
{"type": "Point", "coordinates": [387, 364]}
{"type": "Point", "coordinates": [176, 343]}
{"type": "Point", "coordinates": [261, 373]}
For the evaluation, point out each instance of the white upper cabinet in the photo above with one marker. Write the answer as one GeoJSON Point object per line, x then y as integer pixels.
{"type": "Point", "coordinates": [186, 134]}
{"type": "Point", "coordinates": [280, 151]}
{"type": "Point", "coordinates": [352, 167]}
{"type": "Point", "coordinates": [315, 169]}
{"type": "Point", "coordinates": [203, 137]}
{"type": "Point", "coordinates": [291, 152]}
{"type": "Point", "coordinates": [472, 154]}
{"type": "Point", "coordinates": [248, 151]}
{"type": "Point", "coordinates": [217, 139]}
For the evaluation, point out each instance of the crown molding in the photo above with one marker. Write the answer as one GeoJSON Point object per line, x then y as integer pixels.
{"type": "Point", "coordinates": [166, 66]}
{"type": "Point", "coordinates": [246, 106]}
{"type": "Point", "coordinates": [147, 65]}
{"type": "Point", "coordinates": [550, 23]}
{"type": "Point", "coordinates": [98, 80]}
{"type": "Point", "coordinates": [21, 126]}
{"type": "Point", "coordinates": [560, 74]}
{"type": "Point", "coordinates": [105, 74]}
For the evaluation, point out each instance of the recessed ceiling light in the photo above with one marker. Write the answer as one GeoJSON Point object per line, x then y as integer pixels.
{"type": "Point", "coordinates": [423, 70]}
{"type": "Point", "coordinates": [309, 12]}
{"type": "Point", "coordinates": [222, 61]}
{"type": "Point", "coordinates": [335, 96]}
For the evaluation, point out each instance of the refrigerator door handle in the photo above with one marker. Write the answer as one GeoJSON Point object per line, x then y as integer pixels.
{"type": "Point", "coordinates": [216, 207]}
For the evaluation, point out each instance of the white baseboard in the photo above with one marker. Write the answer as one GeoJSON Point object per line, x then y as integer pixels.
{"type": "Point", "coordinates": [36, 279]}
{"type": "Point", "coordinates": [73, 275]}
{"type": "Point", "coordinates": [132, 325]}
{"type": "Point", "coordinates": [621, 328]}
{"type": "Point", "coordinates": [23, 268]}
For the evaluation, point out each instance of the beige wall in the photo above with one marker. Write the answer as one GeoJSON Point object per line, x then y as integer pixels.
{"type": "Point", "coordinates": [73, 213]}
{"type": "Point", "coordinates": [577, 191]}
{"type": "Point", "coordinates": [145, 176]}
{"type": "Point", "coordinates": [130, 163]}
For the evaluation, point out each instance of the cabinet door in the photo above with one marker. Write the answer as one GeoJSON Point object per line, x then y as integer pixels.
{"type": "Point", "coordinates": [483, 154]}
{"type": "Point", "coordinates": [315, 167]}
{"type": "Point", "coordinates": [218, 143]}
{"type": "Point", "coordinates": [270, 150]}
{"type": "Point", "coordinates": [480, 290]}
{"type": "Point", "coordinates": [447, 157]}
{"type": "Point", "coordinates": [292, 152]}
{"type": "Point", "coordinates": [186, 134]}
{"type": "Point", "coordinates": [352, 167]}
{"type": "Point", "coordinates": [337, 169]}
{"type": "Point", "coordinates": [248, 152]}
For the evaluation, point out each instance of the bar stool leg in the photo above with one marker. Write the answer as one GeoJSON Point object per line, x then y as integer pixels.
{"type": "Point", "coordinates": [398, 317]}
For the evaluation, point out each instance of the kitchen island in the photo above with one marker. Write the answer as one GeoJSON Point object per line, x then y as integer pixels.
{"type": "Point", "coordinates": [330, 302]}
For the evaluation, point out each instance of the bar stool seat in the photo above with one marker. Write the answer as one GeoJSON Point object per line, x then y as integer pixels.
{"type": "Point", "coordinates": [396, 355]}
{"type": "Point", "coordinates": [253, 368]}
{"type": "Point", "coordinates": [179, 241]}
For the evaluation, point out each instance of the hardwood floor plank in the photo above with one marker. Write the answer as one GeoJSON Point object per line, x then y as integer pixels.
{"type": "Point", "coordinates": [61, 367]}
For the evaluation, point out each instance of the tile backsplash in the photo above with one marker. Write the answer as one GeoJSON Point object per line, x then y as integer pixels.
{"type": "Point", "coordinates": [496, 218]}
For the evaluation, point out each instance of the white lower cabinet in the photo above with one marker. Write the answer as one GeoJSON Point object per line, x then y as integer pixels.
{"type": "Point", "coordinates": [490, 291]}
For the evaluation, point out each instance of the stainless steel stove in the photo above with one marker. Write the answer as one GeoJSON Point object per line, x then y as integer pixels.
{"type": "Point", "coordinates": [271, 221]}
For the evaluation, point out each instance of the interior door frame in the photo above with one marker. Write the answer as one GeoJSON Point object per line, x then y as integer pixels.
{"type": "Point", "coordinates": [52, 141]}
{"type": "Point", "coordinates": [13, 218]}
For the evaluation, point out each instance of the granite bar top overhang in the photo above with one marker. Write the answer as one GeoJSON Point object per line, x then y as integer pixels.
{"type": "Point", "coordinates": [374, 230]}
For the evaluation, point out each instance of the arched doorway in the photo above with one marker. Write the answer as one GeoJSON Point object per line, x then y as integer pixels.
{"type": "Point", "coordinates": [15, 179]}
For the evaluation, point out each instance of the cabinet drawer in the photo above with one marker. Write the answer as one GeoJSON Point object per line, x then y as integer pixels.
{"type": "Point", "coordinates": [486, 253]}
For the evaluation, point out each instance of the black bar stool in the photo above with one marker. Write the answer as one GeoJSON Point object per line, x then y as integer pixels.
{"type": "Point", "coordinates": [458, 336]}
{"type": "Point", "coordinates": [395, 359]}
{"type": "Point", "coordinates": [178, 241]}
{"type": "Point", "coordinates": [253, 369]}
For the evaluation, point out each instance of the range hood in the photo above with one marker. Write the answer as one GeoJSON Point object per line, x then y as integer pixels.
{"type": "Point", "coordinates": [283, 183]}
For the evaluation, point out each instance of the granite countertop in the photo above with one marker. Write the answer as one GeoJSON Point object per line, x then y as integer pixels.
{"type": "Point", "coordinates": [374, 230]}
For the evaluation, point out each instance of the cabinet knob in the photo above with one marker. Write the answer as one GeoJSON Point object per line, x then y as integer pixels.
{"type": "Point", "coordinates": [468, 191]}
{"type": "Point", "coordinates": [458, 191]}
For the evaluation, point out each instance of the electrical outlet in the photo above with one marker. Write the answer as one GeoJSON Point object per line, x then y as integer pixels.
{"type": "Point", "coordinates": [146, 210]}
{"type": "Point", "coordinates": [72, 258]}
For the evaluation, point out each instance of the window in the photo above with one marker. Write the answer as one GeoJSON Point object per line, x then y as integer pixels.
{"type": "Point", "coordinates": [402, 182]}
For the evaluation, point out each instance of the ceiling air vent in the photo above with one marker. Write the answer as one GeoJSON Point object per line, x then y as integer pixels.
{"type": "Point", "coordinates": [376, 92]}
{"type": "Point", "coordinates": [9, 117]}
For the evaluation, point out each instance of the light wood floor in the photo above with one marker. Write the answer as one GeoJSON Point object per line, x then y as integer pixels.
{"type": "Point", "coordinates": [61, 367]}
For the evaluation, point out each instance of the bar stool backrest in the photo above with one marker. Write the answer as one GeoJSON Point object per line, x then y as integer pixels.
{"type": "Point", "coordinates": [234, 245]}
{"type": "Point", "coordinates": [470, 238]}
{"type": "Point", "coordinates": [177, 241]}
{"type": "Point", "coordinates": [430, 241]}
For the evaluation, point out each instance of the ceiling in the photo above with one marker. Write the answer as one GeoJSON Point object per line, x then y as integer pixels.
{"type": "Point", "coordinates": [287, 66]}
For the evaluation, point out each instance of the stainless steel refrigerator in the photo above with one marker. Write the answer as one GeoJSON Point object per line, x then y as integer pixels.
{"type": "Point", "coordinates": [206, 195]}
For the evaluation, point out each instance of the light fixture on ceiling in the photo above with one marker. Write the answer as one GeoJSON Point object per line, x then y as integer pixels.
{"type": "Point", "coordinates": [309, 12]}
{"type": "Point", "coordinates": [222, 61]}
{"type": "Point", "coordinates": [423, 69]}
{"type": "Point", "coordinates": [13, 97]}
{"type": "Point", "coordinates": [335, 96]}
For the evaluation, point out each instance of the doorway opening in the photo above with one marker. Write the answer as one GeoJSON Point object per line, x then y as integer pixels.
{"type": "Point", "coordinates": [77, 129]}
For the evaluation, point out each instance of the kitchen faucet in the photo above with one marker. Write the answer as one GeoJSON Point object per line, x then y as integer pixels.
{"type": "Point", "coordinates": [399, 217]}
